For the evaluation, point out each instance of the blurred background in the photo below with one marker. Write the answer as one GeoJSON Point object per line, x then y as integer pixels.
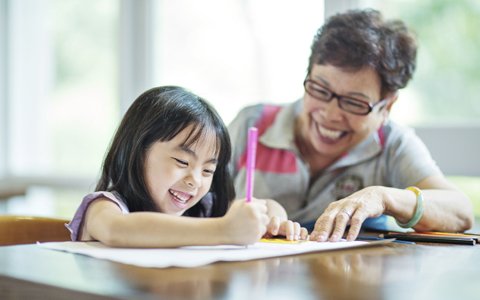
{"type": "Point", "coordinates": [70, 68]}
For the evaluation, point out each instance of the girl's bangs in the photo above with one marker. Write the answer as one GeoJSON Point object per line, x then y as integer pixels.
{"type": "Point", "coordinates": [200, 134]}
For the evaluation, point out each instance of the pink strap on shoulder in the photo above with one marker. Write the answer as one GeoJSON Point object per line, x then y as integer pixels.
{"type": "Point", "coordinates": [269, 113]}
{"type": "Point", "coordinates": [270, 160]}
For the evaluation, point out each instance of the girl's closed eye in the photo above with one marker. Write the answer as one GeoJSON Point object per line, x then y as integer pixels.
{"type": "Point", "coordinates": [209, 172]}
{"type": "Point", "coordinates": [181, 162]}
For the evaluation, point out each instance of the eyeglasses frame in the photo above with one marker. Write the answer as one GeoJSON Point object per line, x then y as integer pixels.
{"type": "Point", "coordinates": [339, 97]}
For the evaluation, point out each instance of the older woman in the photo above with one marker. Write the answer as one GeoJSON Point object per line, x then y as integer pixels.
{"type": "Point", "coordinates": [333, 158]}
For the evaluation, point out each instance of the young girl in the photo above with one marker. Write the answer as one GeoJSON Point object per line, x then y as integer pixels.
{"type": "Point", "coordinates": [165, 182]}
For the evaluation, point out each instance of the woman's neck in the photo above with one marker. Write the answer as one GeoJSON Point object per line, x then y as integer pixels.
{"type": "Point", "coordinates": [316, 162]}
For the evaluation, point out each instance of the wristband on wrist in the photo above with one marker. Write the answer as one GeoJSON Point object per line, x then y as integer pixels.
{"type": "Point", "coordinates": [417, 215]}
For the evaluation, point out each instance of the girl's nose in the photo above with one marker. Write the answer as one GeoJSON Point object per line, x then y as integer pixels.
{"type": "Point", "coordinates": [192, 180]}
{"type": "Point", "coordinates": [189, 183]}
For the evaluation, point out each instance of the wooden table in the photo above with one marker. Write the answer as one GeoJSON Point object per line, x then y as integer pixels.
{"type": "Point", "coordinates": [391, 271]}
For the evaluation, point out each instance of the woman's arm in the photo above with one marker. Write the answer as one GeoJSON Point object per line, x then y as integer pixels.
{"type": "Point", "coordinates": [244, 223]}
{"type": "Point", "coordinates": [445, 209]}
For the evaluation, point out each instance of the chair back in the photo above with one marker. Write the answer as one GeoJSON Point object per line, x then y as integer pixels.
{"type": "Point", "coordinates": [29, 229]}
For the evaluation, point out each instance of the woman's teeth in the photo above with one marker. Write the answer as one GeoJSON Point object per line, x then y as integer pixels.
{"type": "Point", "coordinates": [328, 133]}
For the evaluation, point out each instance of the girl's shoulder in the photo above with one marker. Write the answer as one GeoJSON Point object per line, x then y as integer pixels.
{"type": "Point", "coordinates": [75, 225]}
{"type": "Point", "coordinates": [111, 196]}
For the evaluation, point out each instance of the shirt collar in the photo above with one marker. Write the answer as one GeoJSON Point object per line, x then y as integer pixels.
{"type": "Point", "coordinates": [368, 148]}
{"type": "Point", "coordinates": [281, 133]}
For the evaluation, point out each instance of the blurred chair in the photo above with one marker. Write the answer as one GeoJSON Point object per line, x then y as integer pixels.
{"type": "Point", "coordinates": [10, 189]}
{"type": "Point", "coordinates": [28, 230]}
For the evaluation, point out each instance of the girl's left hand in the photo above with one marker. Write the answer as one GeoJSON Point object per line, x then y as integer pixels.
{"type": "Point", "coordinates": [291, 230]}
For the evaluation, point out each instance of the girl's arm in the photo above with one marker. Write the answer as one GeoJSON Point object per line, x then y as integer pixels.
{"type": "Point", "coordinates": [244, 223]}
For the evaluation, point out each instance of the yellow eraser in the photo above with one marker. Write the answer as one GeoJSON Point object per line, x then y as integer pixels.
{"type": "Point", "coordinates": [278, 241]}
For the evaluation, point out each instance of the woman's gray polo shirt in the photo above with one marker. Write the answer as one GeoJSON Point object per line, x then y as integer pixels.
{"type": "Point", "coordinates": [393, 156]}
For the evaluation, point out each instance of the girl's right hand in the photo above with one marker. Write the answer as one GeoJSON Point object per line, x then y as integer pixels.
{"type": "Point", "coordinates": [245, 223]}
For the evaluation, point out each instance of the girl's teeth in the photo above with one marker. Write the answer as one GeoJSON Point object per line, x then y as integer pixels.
{"type": "Point", "coordinates": [180, 196]}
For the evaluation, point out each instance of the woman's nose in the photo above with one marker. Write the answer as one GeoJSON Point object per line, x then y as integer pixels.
{"type": "Point", "coordinates": [331, 110]}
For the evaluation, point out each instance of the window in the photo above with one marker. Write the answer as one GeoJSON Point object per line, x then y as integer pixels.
{"type": "Point", "coordinates": [62, 85]}
{"type": "Point", "coordinates": [445, 88]}
{"type": "Point", "coordinates": [236, 52]}
{"type": "Point", "coordinates": [59, 105]}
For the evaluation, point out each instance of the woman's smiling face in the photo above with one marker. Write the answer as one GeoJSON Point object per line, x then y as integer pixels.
{"type": "Point", "coordinates": [178, 176]}
{"type": "Point", "coordinates": [328, 130]}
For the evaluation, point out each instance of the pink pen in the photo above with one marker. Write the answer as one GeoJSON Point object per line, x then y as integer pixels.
{"type": "Point", "coordinates": [251, 154]}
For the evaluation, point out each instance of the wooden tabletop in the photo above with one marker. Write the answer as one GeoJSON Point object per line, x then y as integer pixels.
{"type": "Point", "coordinates": [389, 271]}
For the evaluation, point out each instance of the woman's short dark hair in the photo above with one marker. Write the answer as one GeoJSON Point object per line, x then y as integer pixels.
{"type": "Point", "coordinates": [361, 38]}
{"type": "Point", "coordinates": [159, 114]}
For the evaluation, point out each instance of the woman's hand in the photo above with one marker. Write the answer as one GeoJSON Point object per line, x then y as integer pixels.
{"type": "Point", "coordinates": [354, 209]}
{"type": "Point", "coordinates": [245, 223]}
{"type": "Point", "coordinates": [291, 230]}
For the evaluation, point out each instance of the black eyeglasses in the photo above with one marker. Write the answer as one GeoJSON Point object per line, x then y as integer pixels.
{"type": "Point", "coordinates": [348, 104]}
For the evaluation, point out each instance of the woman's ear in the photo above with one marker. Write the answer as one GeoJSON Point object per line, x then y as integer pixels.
{"type": "Point", "coordinates": [391, 99]}
{"type": "Point", "coordinates": [385, 111]}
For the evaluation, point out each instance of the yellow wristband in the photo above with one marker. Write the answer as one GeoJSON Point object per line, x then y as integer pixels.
{"type": "Point", "coordinates": [417, 215]}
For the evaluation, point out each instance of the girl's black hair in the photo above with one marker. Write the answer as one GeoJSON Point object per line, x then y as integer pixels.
{"type": "Point", "coordinates": [159, 114]}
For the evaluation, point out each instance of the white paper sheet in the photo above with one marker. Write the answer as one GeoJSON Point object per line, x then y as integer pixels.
{"type": "Point", "coordinates": [194, 256]}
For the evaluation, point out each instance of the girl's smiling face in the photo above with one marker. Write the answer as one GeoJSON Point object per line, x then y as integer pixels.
{"type": "Point", "coordinates": [178, 176]}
